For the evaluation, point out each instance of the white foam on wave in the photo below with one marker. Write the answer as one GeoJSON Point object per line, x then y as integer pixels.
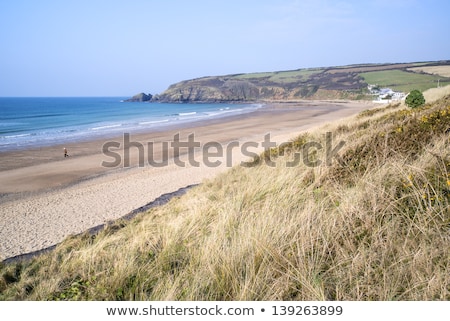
{"type": "Point", "coordinates": [154, 122]}
{"type": "Point", "coordinates": [223, 111]}
{"type": "Point", "coordinates": [16, 136]}
{"type": "Point", "coordinates": [188, 114]}
{"type": "Point", "coordinates": [106, 127]}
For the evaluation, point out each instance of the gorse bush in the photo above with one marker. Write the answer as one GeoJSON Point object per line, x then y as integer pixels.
{"type": "Point", "coordinates": [415, 99]}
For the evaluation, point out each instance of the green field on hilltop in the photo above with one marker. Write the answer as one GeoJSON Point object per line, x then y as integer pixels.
{"type": "Point", "coordinates": [294, 76]}
{"type": "Point", "coordinates": [282, 76]}
{"type": "Point", "coordinates": [404, 81]}
{"type": "Point", "coordinates": [254, 75]}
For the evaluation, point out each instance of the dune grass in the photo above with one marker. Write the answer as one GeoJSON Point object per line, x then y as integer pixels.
{"type": "Point", "coordinates": [433, 94]}
{"type": "Point", "coordinates": [372, 225]}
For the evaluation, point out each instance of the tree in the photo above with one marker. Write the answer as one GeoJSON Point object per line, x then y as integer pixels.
{"type": "Point", "coordinates": [415, 99]}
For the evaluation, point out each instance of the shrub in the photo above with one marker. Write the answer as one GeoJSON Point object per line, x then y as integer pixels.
{"type": "Point", "coordinates": [415, 99]}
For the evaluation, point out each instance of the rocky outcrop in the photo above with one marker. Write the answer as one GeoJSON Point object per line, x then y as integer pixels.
{"type": "Point", "coordinates": [140, 98]}
{"type": "Point", "coordinates": [210, 90]}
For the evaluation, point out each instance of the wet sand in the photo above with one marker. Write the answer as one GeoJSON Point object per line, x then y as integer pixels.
{"type": "Point", "coordinates": [45, 197]}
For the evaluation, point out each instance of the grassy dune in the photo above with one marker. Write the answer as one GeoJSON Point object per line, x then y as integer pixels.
{"type": "Point", "coordinates": [372, 225]}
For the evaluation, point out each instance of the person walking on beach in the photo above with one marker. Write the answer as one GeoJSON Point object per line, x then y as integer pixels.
{"type": "Point", "coordinates": [65, 152]}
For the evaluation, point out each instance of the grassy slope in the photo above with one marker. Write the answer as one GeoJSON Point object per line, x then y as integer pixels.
{"type": "Point", "coordinates": [282, 77]}
{"type": "Point", "coordinates": [373, 226]}
{"type": "Point", "coordinates": [402, 80]}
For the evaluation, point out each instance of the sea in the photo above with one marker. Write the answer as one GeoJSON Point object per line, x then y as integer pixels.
{"type": "Point", "coordinates": [27, 122]}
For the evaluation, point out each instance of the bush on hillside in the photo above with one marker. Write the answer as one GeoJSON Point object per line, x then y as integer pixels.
{"type": "Point", "coordinates": [415, 99]}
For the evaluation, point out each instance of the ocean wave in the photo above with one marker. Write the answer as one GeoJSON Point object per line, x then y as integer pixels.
{"type": "Point", "coordinates": [154, 122]}
{"type": "Point", "coordinates": [11, 124]}
{"type": "Point", "coordinates": [183, 114]}
{"type": "Point", "coordinates": [224, 111]}
{"type": "Point", "coordinates": [187, 114]}
{"type": "Point", "coordinates": [34, 116]}
{"type": "Point", "coordinates": [17, 136]}
{"type": "Point", "coordinates": [106, 127]}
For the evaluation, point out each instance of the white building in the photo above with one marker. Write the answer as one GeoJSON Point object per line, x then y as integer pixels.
{"type": "Point", "coordinates": [385, 95]}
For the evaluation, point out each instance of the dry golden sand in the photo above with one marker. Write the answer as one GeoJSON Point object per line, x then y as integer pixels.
{"type": "Point", "coordinates": [46, 198]}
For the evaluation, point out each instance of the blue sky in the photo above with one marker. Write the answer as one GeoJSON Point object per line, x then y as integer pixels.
{"type": "Point", "coordinates": [120, 48]}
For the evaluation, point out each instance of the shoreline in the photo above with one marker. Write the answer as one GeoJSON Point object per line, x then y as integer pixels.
{"type": "Point", "coordinates": [108, 122]}
{"type": "Point", "coordinates": [18, 168]}
{"type": "Point", "coordinates": [45, 198]}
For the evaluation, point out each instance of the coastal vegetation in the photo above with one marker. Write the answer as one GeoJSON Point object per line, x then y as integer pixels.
{"type": "Point", "coordinates": [374, 224]}
{"type": "Point", "coordinates": [415, 99]}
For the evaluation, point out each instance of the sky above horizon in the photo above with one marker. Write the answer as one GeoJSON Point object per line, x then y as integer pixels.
{"type": "Point", "coordinates": [120, 48]}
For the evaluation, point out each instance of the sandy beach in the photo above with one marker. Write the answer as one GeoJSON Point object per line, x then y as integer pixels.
{"type": "Point", "coordinates": [45, 197]}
